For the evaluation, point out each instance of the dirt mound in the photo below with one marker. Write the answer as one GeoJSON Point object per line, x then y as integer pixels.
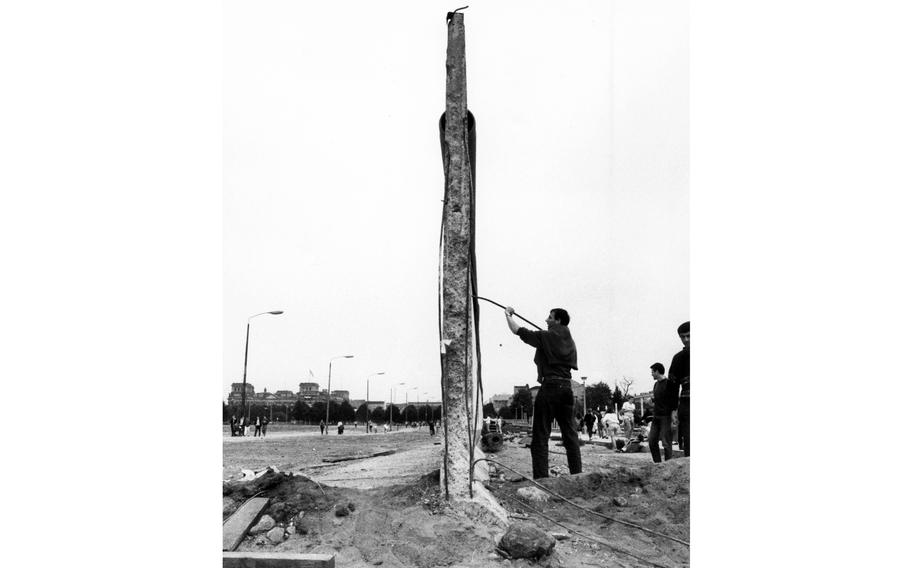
{"type": "Point", "coordinates": [653, 496]}
{"type": "Point", "coordinates": [402, 525]}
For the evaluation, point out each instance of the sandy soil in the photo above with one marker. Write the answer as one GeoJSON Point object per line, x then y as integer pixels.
{"type": "Point", "coordinates": [400, 519]}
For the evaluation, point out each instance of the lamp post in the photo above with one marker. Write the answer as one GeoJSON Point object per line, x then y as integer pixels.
{"type": "Point", "coordinates": [584, 395]}
{"type": "Point", "coordinates": [246, 351]}
{"type": "Point", "coordinates": [328, 393]}
{"type": "Point", "coordinates": [392, 401]}
{"type": "Point", "coordinates": [406, 401]}
{"type": "Point", "coordinates": [368, 392]}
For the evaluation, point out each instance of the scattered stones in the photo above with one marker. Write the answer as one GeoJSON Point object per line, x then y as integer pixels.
{"type": "Point", "coordinates": [533, 493]}
{"type": "Point", "coordinates": [341, 511]}
{"type": "Point", "coordinates": [266, 523]}
{"type": "Point", "coordinates": [620, 501]}
{"type": "Point", "coordinates": [560, 536]}
{"type": "Point", "coordinates": [276, 535]}
{"type": "Point", "coordinates": [524, 540]}
{"type": "Point", "coordinates": [351, 507]}
{"type": "Point", "coordinates": [300, 524]}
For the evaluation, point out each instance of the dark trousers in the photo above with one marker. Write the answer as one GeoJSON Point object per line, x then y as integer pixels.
{"type": "Point", "coordinates": [258, 430]}
{"type": "Point", "coordinates": [553, 402]}
{"type": "Point", "coordinates": [660, 430]}
{"type": "Point", "coordinates": [684, 437]}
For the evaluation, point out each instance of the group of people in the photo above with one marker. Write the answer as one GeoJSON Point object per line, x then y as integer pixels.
{"type": "Point", "coordinates": [671, 402]}
{"type": "Point", "coordinates": [491, 424]}
{"type": "Point", "coordinates": [324, 429]}
{"type": "Point", "coordinates": [241, 426]}
{"type": "Point", "coordinates": [556, 357]}
{"type": "Point", "coordinates": [610, 424]}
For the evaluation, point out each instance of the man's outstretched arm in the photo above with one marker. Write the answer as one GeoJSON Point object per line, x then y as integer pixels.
{"type": "Point", "coordinates": [513, 327]}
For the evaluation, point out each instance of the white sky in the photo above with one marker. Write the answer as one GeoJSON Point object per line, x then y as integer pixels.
{"type": "Point", "coordinates": [333, 184]}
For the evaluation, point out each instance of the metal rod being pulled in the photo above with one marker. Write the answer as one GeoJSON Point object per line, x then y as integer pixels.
{"type": "Point", "coordinates": [515, 314]}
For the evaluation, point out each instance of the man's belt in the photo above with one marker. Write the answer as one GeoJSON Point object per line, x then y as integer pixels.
{"type": "Point", "coordinates": [555, 380]}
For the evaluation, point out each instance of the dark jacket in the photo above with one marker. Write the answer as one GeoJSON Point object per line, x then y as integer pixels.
{"type": "Point", "coordinates": [679, 372]}
{"type": "Point", "coordinates": [555, 355]}
{"type": "Point", "coordinates": [665, 397]}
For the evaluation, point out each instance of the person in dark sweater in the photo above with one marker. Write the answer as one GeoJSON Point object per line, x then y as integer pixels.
{"type": "Point", "coordinates": [589, 421]}
{"type": "Point", "coordinates": [555, 357]}
{"type": "Point", "coordinates": [679, 375]}
{"type": "Point", "coordinates": [664, 398]}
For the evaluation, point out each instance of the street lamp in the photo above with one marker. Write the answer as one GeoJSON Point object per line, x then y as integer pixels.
{"type": "Point", "coordinates": [584, 395]}
{"type": "Point", "coordinates": [246, 351]}
{"type": "Point", "coordinates": [406, 401]}
{"type": "Point", "coordinates": [328, 394]}
{"type": "Point", "coordinates": [391, 401]}
{"type": "Point", "coordinates": [368, 392]}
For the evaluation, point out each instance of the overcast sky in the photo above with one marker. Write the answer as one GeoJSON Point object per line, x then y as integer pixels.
{"type": "Point", "coordinates": [333, 183]}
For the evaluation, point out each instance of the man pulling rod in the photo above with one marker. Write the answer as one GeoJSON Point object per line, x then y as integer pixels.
{"type": "Point", "coordinates": [555, 358]}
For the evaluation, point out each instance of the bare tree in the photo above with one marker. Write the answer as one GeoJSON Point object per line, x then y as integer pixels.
{"type": "Point", "coordinates": [625, 384]}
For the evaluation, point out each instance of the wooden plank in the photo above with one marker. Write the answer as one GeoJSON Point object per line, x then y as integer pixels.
{"type": "Point", "coordinates": [276, 560]}
{"type": "Point", "coordinates": [234, 529]}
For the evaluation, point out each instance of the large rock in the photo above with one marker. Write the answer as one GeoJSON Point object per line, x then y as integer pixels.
{"type": "Point", "coordinates": [533, 494]}
{"type": "Point", "coordinates": [524, 540]}
{"type": "Point", "coordinates": [276, 535]}
{"type": "Point", "coordinates": [300, 524]}
{"type": "Point", "coordinates": [266, 523]}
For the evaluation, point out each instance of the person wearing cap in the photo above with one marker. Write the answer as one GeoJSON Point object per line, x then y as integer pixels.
{"type": "Point", "coordinates": [679, 375]}
{"type": "Point", "coordinates": [555, 357]}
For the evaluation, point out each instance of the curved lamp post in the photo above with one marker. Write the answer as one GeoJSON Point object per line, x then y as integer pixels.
{"type": "Point", "coordinates": [391, 400]}
{"type": "Point", "coordinates": [328, 393]}
{"type": "Point", "coordinates": [368, 392]}
{"type": "Point", "coordinates": [246, 351]}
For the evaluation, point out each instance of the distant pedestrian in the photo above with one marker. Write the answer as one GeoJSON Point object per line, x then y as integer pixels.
{"type": "Point", "coordinates": [589, 421]}
{"type": "Point", "coordinates": [340, 428]}
{"type": "Point", "coordinates": [664, 406]}
{"type": "Point", "coordinates": [265, 424]}
{"type": "Point", "coordinates": [599, 423]}
{"type": "Point", "coordinates": [628, 419]}
{"type": "Point", "coordinates": [679, 374]}
{"type": "Point", "coordinates": [611, 426]}
{"type": "Point", "coordinates": [258, 424]}
{"type": "Point", "coordinates": [432, 427]}
{"type": "Point", "coordinates": [321, 427]}
{"type": "Point", "coordinates": [233, 425]}
{"type": "Point", "coordinates": [241, 426]}
{"type": "Point", "coordinates": [499, 424]}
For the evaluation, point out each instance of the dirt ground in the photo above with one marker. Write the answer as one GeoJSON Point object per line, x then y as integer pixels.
{"type": "Point", "coordinates": [395, 515]}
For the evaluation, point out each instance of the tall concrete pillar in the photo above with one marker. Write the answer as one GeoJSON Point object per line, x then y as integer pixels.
{"type": "Point", "coordinates": [460, 423]}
